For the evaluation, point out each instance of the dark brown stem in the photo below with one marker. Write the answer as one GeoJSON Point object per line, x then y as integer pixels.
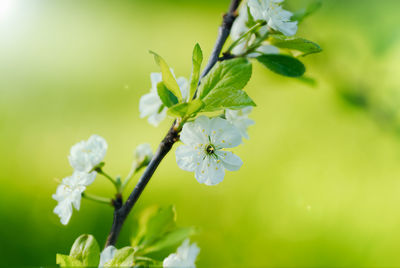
{"type": "Point", "coordinates": [121, 212]}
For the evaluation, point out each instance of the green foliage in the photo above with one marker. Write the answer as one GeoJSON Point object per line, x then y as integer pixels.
{"type": "Point", "coordinates": [84, 252]}
{"type": "Point", "coordinates": [295, 43]}
{"type": "Point", "coordinates": [283, 64]}
{"type": "Point", "coordinates": [167, 76]}
{"type": "Point", "coordinates": [158, 233]}
{"type": "Point", "coordinates": [186, 109]}
{"type": "Point", "coordinates": [233, 73]}
{"type": "Point", "coordinates": [166, 96]}
{"type": "Point", "coordinates": [124, 257]}
{"type": "Point", "coordinates": [301, 14]}
{"type": "Point", "coordinates": [222, 98]}
{"type": "Point", "coordinates": [250, 19]}
{"type": "Point", "coordinates": [197, 59]}
{"type": "Point", "coordinates": [67, 261]}
{"type": "Point", "coordinates": [222, 86]}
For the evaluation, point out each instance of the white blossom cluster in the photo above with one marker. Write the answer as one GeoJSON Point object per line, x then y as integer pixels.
{"type": "Point", "coordinates": [84, 157]}
{"type": "Point", "coordinates": [274, 16]}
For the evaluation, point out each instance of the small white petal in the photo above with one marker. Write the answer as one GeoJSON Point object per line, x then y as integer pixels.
{"type": "Point", "coordinates": [194, 133]}
{"type": "Point", "coordinates": [223, 134]}
{"type": "Point", "coordinates": [149, 104]}
{"type": "Point", "coordinates": [107, 255]}
{"type": "Point", "coordinates": [210, 172]}
{"type": "Point", "coordinates": [187, 158]}
{"type": "Point", "coordinates": [143, 151]}
{"type": "Point", "coordinates": [184, 257]}
{"type": "Point", "coordinates": [229, 160]}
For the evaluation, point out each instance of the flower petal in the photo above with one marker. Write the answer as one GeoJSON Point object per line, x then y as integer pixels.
{"type": "Point", "coordinates": [149, 104]}
{"type": "Point", "coordinates": [223, 134]}
{"type": "Point", "coordinates": [229, 160]}
{"type": "Point", "coordinates": [195, 133]}
{"type": "Point", "coordinates": [187, 158]}
{"type": "Point", "coordinates": [209, 171]}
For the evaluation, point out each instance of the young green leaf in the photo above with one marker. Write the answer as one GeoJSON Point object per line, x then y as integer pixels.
{"type": "Point", "coordinates": [124, 257]}
{"type": "Point", "coordinates": [230, 74]}
{"type": "Point", "coordinates": [167, 76]}
{"type": "Point", "coordinates": [250, 21]}
{"type": "Point", "coordinates": [67, 261]}
{"type": "Point", "coordinates": [295, 43]}
{"type": "Point", "coordinates": [283, 64]}
{"type": "Point", "coordinates": [154, 223]}
{"type": "Point", "coordinates": [166, 96]}
{"type": "Point", "coordinates": [301, 14]}
{"type": "Point", "coordinates": [223, 98]}
{"type": "Point", "coordinates": [171, 240]}
{"type": "Point", "coordinates": [197, 59]}
{"type": "Point", "coordinates": [86, 250]}
{"type": "Point", "coordinates": [183, 109]}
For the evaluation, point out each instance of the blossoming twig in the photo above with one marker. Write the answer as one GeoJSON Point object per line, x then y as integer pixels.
{"type": "Point", "coordinates": [172, 136]}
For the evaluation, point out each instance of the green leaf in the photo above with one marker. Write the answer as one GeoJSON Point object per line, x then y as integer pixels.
{"type": "Point", "coordinates": [250, 21]}
{"type": "Point", "coordinates": [167, 76]}
{"type": "Point", "coordinates": [197, 59]}
{"type": "Point", "coordinates": [124, 257]}
{"type": "Point", "coordinates": [153, 224]}
{"type": "Point", "coordinates": [230, 74]}
{"type": "Point", "coordinates": [166, 96]}
{"type": "Point", "coordinates": [283, 65]}
{"type": "Point", "coordinates": [183, 109]}
{"type": "Point", "coordinates": [223, 98]}
{"type": "Point", "coordinates": [86, 250]}
{"type": "Point", "coordinates": [295, 43]}
{"type": "Point", "coordinates": [67, 261]}
{"type": "Point", "coordinates": [171, 240]}
{"type": "Point", "coordinates": [301, 14]}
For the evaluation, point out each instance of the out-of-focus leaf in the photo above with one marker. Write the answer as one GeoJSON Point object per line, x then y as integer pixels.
{"type": "Point", "coordinates": [86, 250]}
{"type": "Point", "coordinates": [283, 64]}
{"type": "Point", "coordinates": [303, 13]}
{"type": "Point", "coordinates": [295, 43]}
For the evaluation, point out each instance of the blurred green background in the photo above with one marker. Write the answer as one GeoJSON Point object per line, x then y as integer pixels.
{"type": "Point", "coordinates": [320, 182]}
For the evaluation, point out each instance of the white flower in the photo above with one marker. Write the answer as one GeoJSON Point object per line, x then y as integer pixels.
{"type": "Point", "coordinates": [107, 255]}
{"type": "Point", "coordinates": [239, 118]}
{"type": "Point", "coordinates": [85, 155]}
{"type": "Point", "coordinates": [69, 193]}
{"type": "Point", "coordinates": [184, 257]}
{"type": "Point", "coordinates": [276, 17]}
{"type": "Point", "coordinates": [143, 151]}
{"type": "Point", "coordinates": [202, 151]}
{"type": "Point", "coordinates": [239, 28]}
{"type": "Point", "coordinates": [151, 105]}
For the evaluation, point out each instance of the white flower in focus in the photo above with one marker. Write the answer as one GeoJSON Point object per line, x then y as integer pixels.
{"type": "Point", "coordinates": [85, 155]}
{"type": "Point", "coordinates": [150, 104]}
{"type": "Point", "coordinates": [69, 193]}
{"type": "Point", "coordinates": [202, 151]}
{"type": "Point", "coordinates": [239, 118]}
{"type": "Point", "coordinates": [184, 257]}
{"type": "Point", "coordinates": [276, 17]}
{"type": "Point", "coordinates": [107, 255]}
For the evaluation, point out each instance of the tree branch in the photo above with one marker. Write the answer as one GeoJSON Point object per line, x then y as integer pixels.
{"type": "Point", "coordinates": [121, 212]}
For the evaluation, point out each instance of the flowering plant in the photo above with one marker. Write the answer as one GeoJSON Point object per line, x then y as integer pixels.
{"type": "Point", "coordinates": [210, 113]}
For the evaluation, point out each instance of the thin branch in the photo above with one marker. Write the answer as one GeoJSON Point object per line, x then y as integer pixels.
{"type": "Point", "coordinates": [99, 199]}
{"type": "Point", "coordinates": [121, 212]}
